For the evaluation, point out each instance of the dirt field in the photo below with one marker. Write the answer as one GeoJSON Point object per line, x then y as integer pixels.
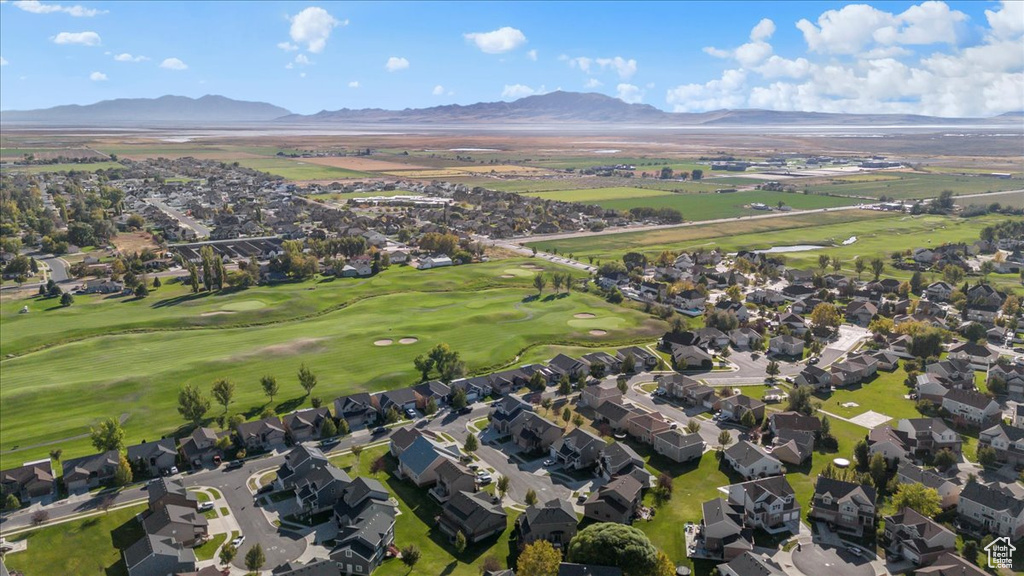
{"type": "Point", "coordinates": [131, 242]}
{"type": "Point", "coordinates": [362, 164]}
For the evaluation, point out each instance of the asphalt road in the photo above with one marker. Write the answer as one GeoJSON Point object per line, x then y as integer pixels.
{"type": "Point", "coordinates": [814, 559]}
{"type": "Point", "coordinates": [201, 230]}
{"type": "Point", "coordinates": [58, 268]}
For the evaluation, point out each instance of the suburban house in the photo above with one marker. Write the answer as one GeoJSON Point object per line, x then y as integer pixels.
{"type": "Point", "coordinates": [596, 394]}
{"type": "Point", "coordinates": [297, 462]}
{"type": "Point", "coordinates": [578, 450]}
{"type": "Point", "coordinates": [916, 437]}
{"type": "Point", "coordinates": [917, 538]}
{"type": "Point", "coordinates": [305, 425]}
{"type": "Point", "coordinates": [794, 322]}
{"type": "Point", "coordinates": [973, 407]}
{"type": "Point", "coordinates": [948, 487]}
{"type": "Point", "coordinates": [402, 438]}
{"type": "Point", "coordinates": [675, 384]}
{"type": "Point", "coordinates": [644, 426]}
{"type": "Point", "coordinates": [618, 458]}
{"type": "Point", "coordinates": [952, 372]}
{"type": "Point", "coordinates": [362, 543]}
{"type": "Point", "coordinates": [735, 406]}
{"type": "Point", "coordinates": [153, 458]}
{"type": "Point", "coordinates": [786, 345]}
{"type": "Point", "coordinates": [1007, 441]}
{"type": "Point", "coordinates": [745, 338]}
{"type": "Point", "coordinates": [848, 506]}
{"type": "Point", "coordinates": [356, 409]}
{"type": "Point", "coordinates": [1012, 375]}
{"type": "Point", "coordinates": [532, 432]}
{"type": "Point", "coordinates": [793, 446]}
{"type": "Point", "coordinates": [616, 501]}
{"type": "Point", "coordinates": [977, 355]}
{"type": "Point", "coordinates": [615, 413]}
{"type": "Point", "coordinates": [154, 554]}
{"type": "Point", "coordinates": [939, 291]}
{"type": "Point", "coordinates": [478, 515]}
{"type": "Point", "coordinates": [854, 370]}
{"type": "Point", "coordinates": [571, 367]}
{"type": "Point", "coordinates": [318, 486]}
{"type": "Point", "coordinates": [164, 492]}
{"type": "Point", "coordinates": [751, 461]}
{"type": "Point", "coordinates": [185, 525]}
{"type": "Point", "coordinates": [554, 521]}
{"type": "Point", "coordinates": [780, 421]}
{"type": "Point", "coordinates": [750, 564]}
{"type": "Point", "coordinates": [265, 434]}
{"type": "Point", "coordinates": [678, 446]}
{"type": "Point", "coordinates": [420, 460]}
{"type": "Point", "coordinates": [643, 359]}
{"type": "Point", "coordinates": [991, 509]}
{"type": "Point", "coordinates": [399, 400]}
{"type": "Point", "coordinates": [201, 446]}
{"type": "Point", "coordinates": [950, 564]}
{"type": "Point", "coordinates": [32, 482]}
{"type": "Point", "coordinates": [360, 494]}
{"type": "Point", "coordinates": [767, 503]}
{"type": "Point", "coordinates": [860, 313]}
{"type": "Point", "coordinates": [87, 472]}
{"type": "Point", "coordinates": [691, 358]}
{"type": "Point", "coordinates": [723, 530]}
{"type": "Point", "coordinates": [506, 410]}
{"type": "Point", "coordinates": [452, 477]}
{"type": "Point", "coordinates": [816, 378]}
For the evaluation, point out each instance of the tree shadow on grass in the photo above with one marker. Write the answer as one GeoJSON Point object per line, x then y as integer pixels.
{"type": "Point", "coordinates": [122, 537]}
{"type": "Point", "coordinates": [289, 405]}
{"type": "Point", "coordinates": [174, 301]}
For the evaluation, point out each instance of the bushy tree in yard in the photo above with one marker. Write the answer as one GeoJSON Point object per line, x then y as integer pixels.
{"type": "Point", "coordinates": [539, 558]}
{"type": "Point", "coordinates": [459, 400]}
{"type": "Point", "coordinates": [502, 486]}
{"type": "Point", "coordinates": [328, 429]}
{"type": "Point", "coordinates": [410, 555]}
{"type": "Point", "coordinates": [11, 502]}
{"type": "Point", "coordinates": [306, 379]}
{"type": "Point", "coordinates": [255, 558]}
{"type": "Point", "coordinates": [531, 497]}
{"type": "Point", "coordinates": [987, 456]}
{"type": "Point", "coordinates": [922, 499]}
{"type": "Point", "coordinates": [724, 438]}
{"type": "Point", "coordinates": [223, 391]}
{"type": "Point", "coordinates": [192, 404]}
{"type": "Point", "coordinates": [944, 459]}
{"type": "Point", "coordinates": [108, 435]}
{"type": "Point", "coordinates": [748, 419]}
{"type": "Point", "coordinates": [460, 542]}
{"type": "Point", "coordinates": [693, 426]}
{"type": "Point", "coordinates": [227, 554]}
{"type": "Point", "coordinates": [879, 470]}
{"type": "Point", "coordinates": [67, 299]}
{"type": "Point", "coordinates": [471, 443]}
{"type": "Point", "coordinates": [141, 290]}
{"type": "Point", "coordinates": [861, 454]}
{"type": "Point", "coordinates": [613, 544]}
{"type": "Point", "coordinates": [430, 407]}
{"type": "Point", "coordinates": [123, 473]}
{"type": "Point", "coordinates": [970, 551]}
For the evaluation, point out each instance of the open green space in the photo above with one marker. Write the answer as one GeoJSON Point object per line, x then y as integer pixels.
{"type": "Point", "coordinates": [78, 167]}
{"type": "Point", "coordinates": [138, 374]}
{"type": "Point", "coordinates": [883, 394]}
{"type": "Point", "coordinates": [209, 548]}
{"type": "Point", "coordinates": [652, 242]}
{"type": "Point", "coordinates": [908, 185]}
{"type": "Point", "coordinates": [87, 547]}
{"type": "Point", "coordinates": [296, 169]}
{"type": "Point", "coordinates": [600, 195]}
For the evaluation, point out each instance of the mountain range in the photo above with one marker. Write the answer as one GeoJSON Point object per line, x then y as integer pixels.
{"type": "Point", "coordinates": [552, 108]}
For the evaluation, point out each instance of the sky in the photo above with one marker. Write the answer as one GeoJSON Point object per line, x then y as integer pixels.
{"type": "Point", "coordinates": [935, 58]}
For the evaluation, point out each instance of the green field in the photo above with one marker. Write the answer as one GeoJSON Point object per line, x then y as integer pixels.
{"type": "Point", "coordinates": [138, 374]}
{"type": "Point", "coordinates": [907, 185]}
{"type": "Point", "coordinates": [653, 242]}
{"type": "Point", "coordinates": [89, 547]}
{"type": "Point", "coordinates": [82, 167]}
{"type": "Point", "coordinates": [298, 170]}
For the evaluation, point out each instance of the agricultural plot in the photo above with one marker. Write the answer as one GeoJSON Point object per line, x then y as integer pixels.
{"type": "Point", "coordinates": [138, 374]}
{"type": "Point", "coordinates": [79, 167]}
{"type": "Point", "coordinates": [292, 169]}
{"type": "Point", "coordinates": [907, 185]}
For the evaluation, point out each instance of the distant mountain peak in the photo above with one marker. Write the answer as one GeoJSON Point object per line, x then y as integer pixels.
{"type": "Point", "coordinates": [167, 109]}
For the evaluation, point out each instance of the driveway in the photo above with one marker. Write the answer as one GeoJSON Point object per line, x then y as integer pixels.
{"type": "Point", "coordinates": [817, 560]}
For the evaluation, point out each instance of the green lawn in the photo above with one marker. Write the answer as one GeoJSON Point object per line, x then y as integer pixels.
{"type": "Point", "coordinates": [207, 550]}
{"type": "Point", "coordinates": [415, 524]}
{"type": "Point", "coordinates": [695, 207]}
{"type": "Point", "coordinates": [883, 394]}
{"type": "Point", "coordinates": [139, 374]}
{"type": "Point", "coordinates": [79, 167]}
{"type": "Point", "coordinates": [89, 547]}
{"type": "Point", "coordinates": [296, 169]}
{"type": "Point", "coordinates": [901, 185]}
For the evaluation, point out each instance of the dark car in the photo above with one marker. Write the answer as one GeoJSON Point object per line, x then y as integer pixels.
{"type": "Point", "coordinates": [233, 465]}
{"type": "Point", "coordinates": [465, 410]}
{"type": "Point", "coordinates": [380, 430]}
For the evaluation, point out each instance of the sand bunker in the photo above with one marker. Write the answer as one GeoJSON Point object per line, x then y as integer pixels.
{"type": "Point", "coordinates": [383, 342]}
{"type": "Point", "coordinates": [531, 267]}
{"type": "Point", "coordinates": [584, 315]}
{"type": "Point", "coordinates": [598, 332]}
{"type": "Point", "coordinates": [507, 276]}
{"type": "Point", "coordinates": [216, 313]}
{"type": "Point", "coordinates": [409, 340]}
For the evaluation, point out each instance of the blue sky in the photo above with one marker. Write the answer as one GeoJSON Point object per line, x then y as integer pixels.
{"type": "Point", "coordinates": [947, 59]}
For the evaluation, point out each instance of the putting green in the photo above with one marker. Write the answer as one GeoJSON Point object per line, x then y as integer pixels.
{"type": "Point", "coordinates": [244, 305]}
{"type": "Point", "coordinates": [520, 272]}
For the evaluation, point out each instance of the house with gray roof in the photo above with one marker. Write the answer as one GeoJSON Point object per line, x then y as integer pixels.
{"type": "Point", "coordinates": [848, 506]}
{"type": "Point", "coordinates": [615, 413]}
{"type": "Point", "coordinates": [88, 472]}
{"type": "Point", "coordinates": [735, 406]}
{"type": "Point", "coordinates": [1007, 441]}
{"type": "Point", "coordinates": [948, 487]}
{"type": "Point", "coordinates": [991, 509]}
{"type": "Point", "coordinates": [786, 345]}
{"type": "Point", "coordinates": [185, 525]}
{"type": "Point", "coordinates": [200, 446]}
{"type": "Point", "coordinates": [362, 545]}
{"type": "Point", "coordinates": [261, 435]}
{"type": "Point", "coordinates": [452, 477]}
{"type": "Point", "coordinates": [917, 538]}
{"type": "Point", "coordinates": [554, 521]}
{"type": "Point", "coordinates": [973, 407]}
{"type": "Point", "coordinates": [950, 564]}
{"type": "Point", "coordinates": [357, 496]}
{"type": "Point", "coordinates": [578, 450]}
{"type": "Point", "coordinates": [793, 446]}
{"type": "Point", "coordinates": [768, 503]}
{"type": "Point", "coordinates": [618, 458]}
{"type": "Point", "coordinates": [643, 359]}
{"type": "Point", "coordinates": [616, 501]}
{"type": "Point", "coordinates": [505, 410]}
{"type": "Point", "coordinates": [594, 395]}
{"type": "Point", "coordinates": [169, 492]}
{"type": "Point", "coordinates": [158, 556]}
{"type": "Point", "coordinates": [304, 425]}
{"type": "Point", "coordinates": [478, 515]}
{"type": "Point", "coordinates": [153, 458]}
{"type": "Point", "coordinates": [750, 564]}
{"type": "Point", "coordinates": [419, 462]}
{"type": "Point", "coordinates": [679, 446]}
{"type": "Point", "coordinates": [401, 400]}
{"type": "Point", "coordinates": [356, 409]}
{"type": "Point", "coordinates": [723, 531]}
{"type": "Point", "coordinates": [751, 461]}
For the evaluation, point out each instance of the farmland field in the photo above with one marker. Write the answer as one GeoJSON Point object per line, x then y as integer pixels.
{"type": "Point", "coordinates": [297, 169]}
{"type": "Point", "coordinates": [908, 185]}
{"type": "Point", "coordinates": [82, 167]}
{"type": "Point", "coordinates": [139, 373]}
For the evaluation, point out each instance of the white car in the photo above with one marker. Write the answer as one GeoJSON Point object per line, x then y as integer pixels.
{"type": "Point", "coordinates": [238, 541]}
{"type": "Point", "coordinates": [204, 506]}
{"type": "Point", "coordinates": [854, 550]}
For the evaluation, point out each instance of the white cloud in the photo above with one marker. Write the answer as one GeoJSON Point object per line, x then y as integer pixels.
{"type": "Point", "coordinates": [353, 84]}
{"type": "Point", "coordinates": [302, 74]}
{"type": "Point", "coordinates": [302, 60]}
{"type": "Point", "coordinates": [173, 64]}
{"type": "Point", "coordinates": [504, 39]}
{"type": "Point", "coordinates": [516, 91]}
{"type": "Point", "coordinates": [36, 7]}
{"type": "Point", "coordinates": [1008, 21]}
{"type": "Point", "coordinates": [395, 64]}
{"type": "Point", "coordinates": [313, 27]}
{"type": "Point", "coordinates": [287, 46]}
{"type": "Point", "coordinates": [779, 67]}
{"type": "Point", "coordinates": [850, 29]}
{"type": "Point", "coordinates": [83, 38]}
{"type": "Point", "coordinates": [763, 30]}
{"type": "Point", "coordinates": [126, 57]}
{"type": "Point", "coordinates": [532, 55]}
{"type": "Point", "coordinates": [3, 61]}
{"type": "Point", "coordinates": [98, 77]}
{"type": "Point", "coordinates": [593, 83]}
{"type": "Point", "coordinates": [438, 90]}
{"type": "Point", "coordinates": [629, 93]}
{"type": "Point", "coordinates": [624, 68]}
{"type": "Point", "coordinates": [729, 91]}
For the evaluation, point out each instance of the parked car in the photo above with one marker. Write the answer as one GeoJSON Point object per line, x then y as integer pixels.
{"type": "Point", "coordinates": [410, 413]}
{"type": "Point", "coordinates": [853, 550]}
{"type": "Point", "coordinates": [234, 464]}
{"type": "Point", "coordinates": [204, 506]}
{"type": "Point", "coordinates": [238, 541]}
{"type": "Point", "coordinates": [380, 430]}
{"type": "Point", "coordinates": [549, 462]}
{"type": "Point", "coordinates": [813, 360]}
{"type": "Point", "coordinates": [465, 410]}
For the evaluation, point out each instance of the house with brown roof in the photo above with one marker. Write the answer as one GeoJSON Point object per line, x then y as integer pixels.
{"type": "Point", "coordinates": [452, 477]}
{"type": "Point", "coordinates": [596, 394]}
{"type": "Point", "coordinates": [578, 450]}
{"type": "Point", "coordinates": [751, 461]}
{"type": "Point", "coordinates": [615, 413]}
{"type": "Point", "coordinates": [793, 421]}
{"type": "Point", "coordinates": [532, 432]}
{"type": "Point", "coordinates": [616, 501]}
{"type": "Point", "coordinates": [786, 345]}
{"type": "Point", "coordinates": [153, 458]}
{"type": "Point", "coordinates": [644, 426]}
{"type": "Point", "coordinates": [356, 409]}
{"type": "Point", "coordinates": [478, 515]}
{"type": "Point", "coordinates": [847, 506]}
{"type": "Point", "coordinates": [1007, 441]}
{"type": "Point", "coordinates": [948, 487]}
{"type": "Point", "coordinates": [793, 446]}
{"type": "Point", "coordinates": [917, 538]}
{"type": "Point", "coordinates": [200, 446]}
{"type": "Point", "coordinates": [265, 434]}
{"type": "Point", "coordinates": [554, 521]}
{"type": "Point", "coordinates": [31, 483]}
{"type": "Point", "coordinates": [678, 446]}
{"type": "Point", "coordinates": [305, 425]}
{"type": "Point", "coordinates": [735, 406]}
{"type": "Point", "coordinates": [88, 472]}
{"type": "Point", "coordinates": [723, 530]}
{"type": "Point", "coordinates": [973, 407]}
